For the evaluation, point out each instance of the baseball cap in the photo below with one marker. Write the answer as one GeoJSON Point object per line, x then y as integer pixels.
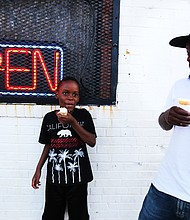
{"type": "Point", "coordinates": [180, 41]}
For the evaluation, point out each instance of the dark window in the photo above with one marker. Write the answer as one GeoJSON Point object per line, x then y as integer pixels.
{"type": "Point", "coordinates": [44, 40]}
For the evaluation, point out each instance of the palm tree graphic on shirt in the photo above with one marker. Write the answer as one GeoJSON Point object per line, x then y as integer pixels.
{"type": "Point", "coordinates": [60, 163]}
{"type": "Point", "coordinates": [63, 155]}
{"type": "Point", "coordinates": [72, 167]}
{"type": "Point", "coordinates": [78, 153]}
{"type": "Point", "coordinates": [59, 168]}
{"type": "Point", "coordinates": [52, 157]}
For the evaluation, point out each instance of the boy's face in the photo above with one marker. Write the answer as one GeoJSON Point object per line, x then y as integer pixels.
{"type": "Point", "coordinates": [68, 95]}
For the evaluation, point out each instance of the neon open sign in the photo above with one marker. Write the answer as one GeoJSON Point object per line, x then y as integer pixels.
{"type": "Point", "coordinates": [29, 71]}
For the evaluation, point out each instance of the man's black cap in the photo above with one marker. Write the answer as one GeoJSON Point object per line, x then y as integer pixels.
{"type": "Point", "coordinates": [180, 41]}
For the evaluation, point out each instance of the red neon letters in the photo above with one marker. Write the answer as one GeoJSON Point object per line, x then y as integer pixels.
{"type": "Point", "coordinates": [37, 59]}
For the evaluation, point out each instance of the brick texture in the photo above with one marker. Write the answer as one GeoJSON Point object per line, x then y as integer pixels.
{"type": "Point", "coordinates": [130, 144]}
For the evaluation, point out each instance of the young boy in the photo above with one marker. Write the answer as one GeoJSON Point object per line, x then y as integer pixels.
{"type": "Point", "coordinates": [68, 169]}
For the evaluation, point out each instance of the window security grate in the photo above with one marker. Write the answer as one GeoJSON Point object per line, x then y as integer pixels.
{"type": "Point", "coordinates": [82, 33]}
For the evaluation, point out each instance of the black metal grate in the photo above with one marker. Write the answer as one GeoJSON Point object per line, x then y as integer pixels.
{"type": "Point", "coordinates": [87, 30]}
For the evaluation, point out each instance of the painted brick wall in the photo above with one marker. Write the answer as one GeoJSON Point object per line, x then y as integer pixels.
{"type": "Point", "coordinates": [130, 143]}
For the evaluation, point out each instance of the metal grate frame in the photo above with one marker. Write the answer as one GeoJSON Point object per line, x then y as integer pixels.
{"type": "Point", "coordinates": [86, 30]}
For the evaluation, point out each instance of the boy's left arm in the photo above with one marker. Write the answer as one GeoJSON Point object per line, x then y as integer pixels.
{"type": "Point", "coordinates": [85, 135]}
{"type": "Point", "coordinates": [88, 137]}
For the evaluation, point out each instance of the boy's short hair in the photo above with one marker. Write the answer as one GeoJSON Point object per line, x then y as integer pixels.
{"type": "Point", "coordinates": [68, 78]}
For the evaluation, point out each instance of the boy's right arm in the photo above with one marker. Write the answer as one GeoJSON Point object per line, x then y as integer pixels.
{"type": "Point", "coordinates": [37, 174]}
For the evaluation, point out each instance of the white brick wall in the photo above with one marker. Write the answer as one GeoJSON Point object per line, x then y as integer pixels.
{"type": "Point", "coordinates": [130, 143]}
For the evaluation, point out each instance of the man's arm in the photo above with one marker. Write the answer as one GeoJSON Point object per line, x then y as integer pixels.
{"type": "Point", "coordinates": [163, 121]}
{"type": "Point", "coordinates": [174, 116]}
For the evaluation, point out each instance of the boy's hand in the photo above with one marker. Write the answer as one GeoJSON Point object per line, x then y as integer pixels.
{"type": "Point", "coordinates": [65, 118]}
{"type": "Point", "coordinates": [36, 180]}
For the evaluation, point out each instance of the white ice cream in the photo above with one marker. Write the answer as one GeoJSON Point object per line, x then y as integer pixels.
{"type": "Point", "coordinates": [63, 111]}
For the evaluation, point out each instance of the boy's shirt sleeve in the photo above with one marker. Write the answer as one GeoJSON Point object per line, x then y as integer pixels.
{"type": "Point", "coordinates": [89, 125]}
{"type": "Point", "coordinates": [44, 137]}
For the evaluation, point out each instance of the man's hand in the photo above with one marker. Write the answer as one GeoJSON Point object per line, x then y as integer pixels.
{"type": "Point", "coordinates": [178, 116]}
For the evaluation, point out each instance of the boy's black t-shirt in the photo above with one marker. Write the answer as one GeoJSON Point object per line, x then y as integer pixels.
{"type": "Point", "coordinates": [68, 161]}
